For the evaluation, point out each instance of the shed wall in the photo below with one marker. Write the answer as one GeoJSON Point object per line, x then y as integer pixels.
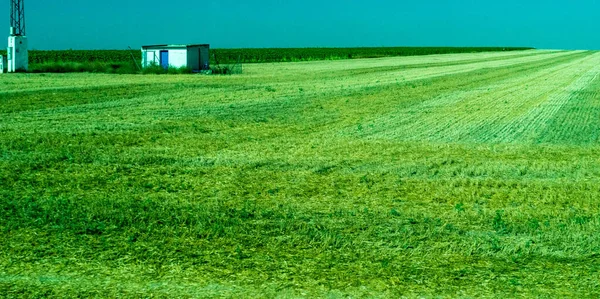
{"type": "Point", "coordinates": [204, 58]}
{"type": "Point", "coordinates": [193, 58]}
{"type": "Point", "coordinates": [178, 58]}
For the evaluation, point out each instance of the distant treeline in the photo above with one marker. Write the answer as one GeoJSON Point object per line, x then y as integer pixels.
{"type": "Point", "coordinates": [255, 55]}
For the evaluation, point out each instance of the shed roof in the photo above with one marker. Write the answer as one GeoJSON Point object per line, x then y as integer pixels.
{"type": "Point", "coordinates": [173, 46]}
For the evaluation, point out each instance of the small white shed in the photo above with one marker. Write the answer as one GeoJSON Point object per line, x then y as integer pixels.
{"type": "Point", "coordinates": [195, 57]}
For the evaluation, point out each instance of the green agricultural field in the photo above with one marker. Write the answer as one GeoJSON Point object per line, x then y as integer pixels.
{"type": "Point", "coordinates": [124, 61]}
{"type": "Point", "coordinates": [461, 175]}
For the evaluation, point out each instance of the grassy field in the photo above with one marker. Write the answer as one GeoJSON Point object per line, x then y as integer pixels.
{"type": "Point", "coordinates": [461, 175]}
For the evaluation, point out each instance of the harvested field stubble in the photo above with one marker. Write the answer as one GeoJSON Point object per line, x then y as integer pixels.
{"type": "Point", "coordinates": [463, 175]}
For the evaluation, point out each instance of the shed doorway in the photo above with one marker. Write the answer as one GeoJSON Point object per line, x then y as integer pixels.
{"type": "Point", "coordinates": [164, 59]}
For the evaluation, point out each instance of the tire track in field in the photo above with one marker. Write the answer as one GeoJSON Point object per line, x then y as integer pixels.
{"type": "Point", "coordinates": [472, 117]}
{"type": "Point", "coordinates": [52, 97]}
{"type": "Point", "coordinates": [346, 82]}
{"type": "Point", "coordinates": [442, 115]}
{"type": "Point", "coordinates": [361, 87]}
{"type": "Point", "coordinates": [578, 120]}
{"type": "Point", "coordinates": [403, 65]}
{"type": "Point", "coordinates": [243, 101]}
{"type": "Point", "coordinates": [288, 102]}
{"type": "Point", "coordinates": [431, 64]}
{"type": "Point", "coordinates": [498, 109]}
{"type": "Point", "coordinates": [528, 126]}
{"type": "Point", "coordinates": [326, 68]}
{"type": "Point", "coordinates": [395, 76]}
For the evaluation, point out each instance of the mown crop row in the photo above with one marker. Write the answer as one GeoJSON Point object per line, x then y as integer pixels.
{"type": "Point", "coordinates": [256, 55]}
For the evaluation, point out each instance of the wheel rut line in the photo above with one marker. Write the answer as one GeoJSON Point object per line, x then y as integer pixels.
{"type": "Point", "coordinates": [472, 123]}
{"type": "Point", "coordinates": [524, 127]}
{"type": "Point", "coordinates": [420, 132]}
{"type": "Point", "coordinates": [445, 64]}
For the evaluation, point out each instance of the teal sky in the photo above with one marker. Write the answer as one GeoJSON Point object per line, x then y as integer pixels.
{"type": "Point", "coordinates": [112, 24]}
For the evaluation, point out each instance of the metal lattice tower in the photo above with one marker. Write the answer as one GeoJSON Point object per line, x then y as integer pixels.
{"type": "Point", "coordinates": [17, 55]}
{"type": "Point", "coordinates": [17, 17]}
